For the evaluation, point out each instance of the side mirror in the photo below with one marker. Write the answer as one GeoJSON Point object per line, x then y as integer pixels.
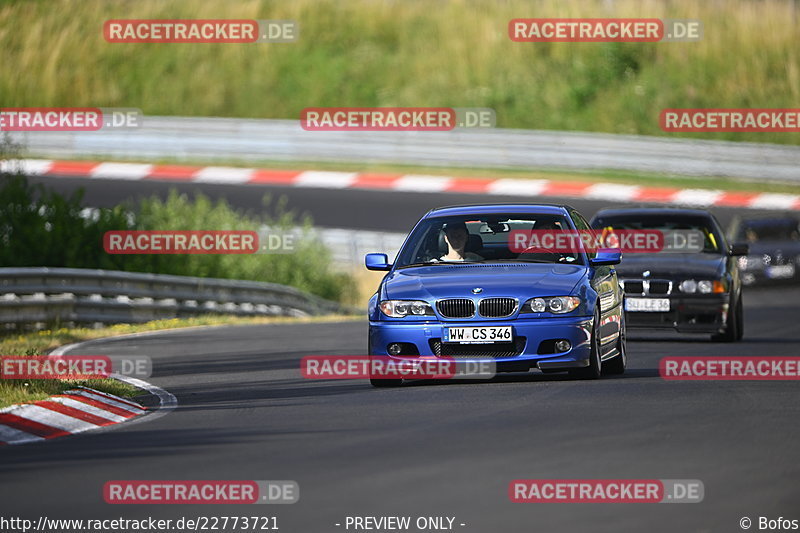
{"type": "Point", "coordinates": [606, 256]}
{"type": "Point", "coordinates": [739, 248]}
{"type": "Point", "coordinates": [377, 262]}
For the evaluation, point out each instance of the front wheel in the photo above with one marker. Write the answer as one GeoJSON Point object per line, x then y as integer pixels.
{"type": "Point", "coordinates": [594, 369]}
{"type": "Point", "coordinates": [734, 326]}
{"type": "Point", "coordinates": [616, 366]}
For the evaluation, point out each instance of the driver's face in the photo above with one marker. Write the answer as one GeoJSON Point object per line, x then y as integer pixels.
{"type": "Point", "coordinates": [456, 238]}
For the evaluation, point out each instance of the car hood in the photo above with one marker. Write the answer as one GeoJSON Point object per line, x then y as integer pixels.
{"type": "Point", "coordinates": [671, 266]}
{"type": "Point", "coordinates": [454, 281]}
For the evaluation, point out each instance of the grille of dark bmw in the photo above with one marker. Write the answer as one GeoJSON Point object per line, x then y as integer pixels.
{"type": "Point", "coordinates": [499, 350]}
{"type": "Point", "coordinates": [658, 286]}
{"type": "Point", "coordinates": [456, 308]}
{"type": "Point", "coordinates": [648, 286]}
{"type": "Point", "coordinates": [497, 307]}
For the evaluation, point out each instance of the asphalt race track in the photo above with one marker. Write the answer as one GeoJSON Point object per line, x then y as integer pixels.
{"type": "Point", "coordinates": [426, 449]}
{"type": "Point", "coordinates": [350, 208]}
{"type": "Point", "coordinates": [438, 449]}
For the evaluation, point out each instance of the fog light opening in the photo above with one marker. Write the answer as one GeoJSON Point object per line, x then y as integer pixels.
{"type": "Point", "coordinates": [563, 345]}
{"type": "Point", "coordinates": [395, 348]}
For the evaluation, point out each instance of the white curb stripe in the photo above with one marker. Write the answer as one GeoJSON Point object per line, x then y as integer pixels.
{"type": "Point", "coordinates": [774, 201]}
{"type": "Point", "coordinates": [697, 197]}
{"type": "Point", "coordinates": [91, 409]}
{"type": "Point", "coordinates": [421, 183]}
{"type": "Point", "coordinates": [107, 401]}
{"type": "Point", "coordinates": [611, 191]}
{"type": "Point", "coordinates": [32, 167]}
{"type": "Point", "coordinates": [223, 175]}
{"type": "Point", "coordinates": [511, 187]}
{"type": "Point", "coordinates": [324, 179]}
{"type": "Point", "coordinates": [11, 435]}
{"type": "Point", "coordinates": [121, 171]}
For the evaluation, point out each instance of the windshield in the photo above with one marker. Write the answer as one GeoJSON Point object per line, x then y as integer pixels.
{"type": "Point", "coordinates": [713, 240]}
{"type": "Point", "coordinates": [480, 239]}
{"type": "Point", "coordinates": [769, 230]}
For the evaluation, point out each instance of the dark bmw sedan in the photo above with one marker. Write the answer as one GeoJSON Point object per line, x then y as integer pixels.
{"type": "Point", "coordinates": [774, 242]}
{"type": "Point", "coordinates": [695, 291]}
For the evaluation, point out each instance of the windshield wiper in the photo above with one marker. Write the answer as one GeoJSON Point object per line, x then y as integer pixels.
{"type": "Point", "coordinates": [426, 263]}
{"type": "Point", "coordinates": [515, 261]}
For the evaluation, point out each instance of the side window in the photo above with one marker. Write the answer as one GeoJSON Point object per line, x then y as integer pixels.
{"type": "Point", "coordinates": [581, 225]}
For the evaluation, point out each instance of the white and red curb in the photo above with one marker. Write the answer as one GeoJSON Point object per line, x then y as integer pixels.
{"type": "Point", "coordinates": [75, 411]}
{"type": "Point", "coordinates": [406, 183]}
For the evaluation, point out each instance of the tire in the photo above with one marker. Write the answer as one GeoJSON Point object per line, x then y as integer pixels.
{"type": "Point", "coordinates": [384, 383]}
{"type": "Point", "coordinates": [733, 325]}
{"type": "Point", "coordinates": [616, 366]}
{"type": "Point", "coordinates": [739, 319]}
{"type": "Point", "coordinates": [594, 369]}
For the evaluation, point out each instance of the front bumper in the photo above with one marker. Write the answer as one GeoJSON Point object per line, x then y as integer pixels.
{"type": "Point", "coordinates": [533, 345]}
{"type": "Point", "coordinates": [698, 313]}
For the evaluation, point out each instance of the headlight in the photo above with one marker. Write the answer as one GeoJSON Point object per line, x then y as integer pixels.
{"type": "Point", "coordinates": [558, 305]}
{"type": "Point", "coordinates": [704, 286]}
{"type": "Point", "coordinates": [688, 286]}
{"type": "Point", "coordinates": [401, 308]}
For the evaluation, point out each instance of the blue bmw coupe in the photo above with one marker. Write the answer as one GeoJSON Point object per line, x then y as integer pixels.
{"type": "Point", "coordinates": [459, 290]}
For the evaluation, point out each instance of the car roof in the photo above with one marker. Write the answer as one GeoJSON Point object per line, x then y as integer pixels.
{"type": "Point", "coordinates": [488, 209]}
{"type": "Point", "coordinates": [667, 211]}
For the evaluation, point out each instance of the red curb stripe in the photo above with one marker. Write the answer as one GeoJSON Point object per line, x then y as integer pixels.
{"type": "Point", "coordinates": [72, 168]}
{"type": "Point", "coordinates": [29, 426]}
{"type": "Point", "coordinates": [736, 199]}
{"type": "Point", "coordinates": [470, 185]}
{"type": "Point", "coordinates": [375, 181]}
{"type": "Point", "coordinates": [100, 405]}
{"type": "Point", "coordinates": [655, 194]}
{"type": "Point", "coordinates": [74, 413]}
{"type": "Point", "coordinates": [172, 172]}
{"type": "Point", "coordinates": [283, 177]}
{"type": "Point", "coordinates": [116, 399]}
{"type": "Point", "coordinates": [566, 188]}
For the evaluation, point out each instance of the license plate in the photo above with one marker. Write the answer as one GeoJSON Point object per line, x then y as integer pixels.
{"type": "Point", "coordinates": [652, 305]}
{"type": "Point", "coordinates": [780, 271]}
{"type": "Point", "coordinates": [478, 335]}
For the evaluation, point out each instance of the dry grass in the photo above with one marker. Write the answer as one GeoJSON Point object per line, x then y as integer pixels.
{"type": "Point", "coordinates": [410, 53]}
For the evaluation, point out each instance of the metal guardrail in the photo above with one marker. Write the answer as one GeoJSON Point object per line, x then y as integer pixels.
{"type": "Point", "coordinates": [40, 295]}
{"type": "Point", "coordinates": [348, 246]}
{"type": "Point", "coordinates": [224, 139]}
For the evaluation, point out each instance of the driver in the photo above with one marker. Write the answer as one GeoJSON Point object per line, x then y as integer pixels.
{"type": "Point", "coordinates": [456, 236]}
